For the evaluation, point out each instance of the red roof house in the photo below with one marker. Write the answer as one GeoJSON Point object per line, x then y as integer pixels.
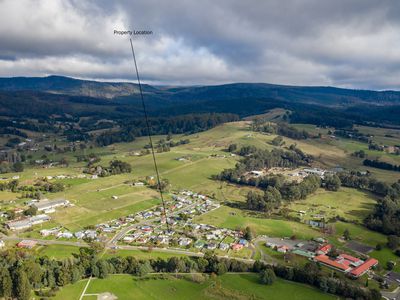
{"type": "Point", "coordinates": [237, 247]}
{"type": "Point", "coordinates": [362, 269]}
{"type": "Point", "coordinates": [26, 244]}
{"type": "Point", "coordinates": [326, 260]}
{"type": "Point", "coordinates": [324, 249]}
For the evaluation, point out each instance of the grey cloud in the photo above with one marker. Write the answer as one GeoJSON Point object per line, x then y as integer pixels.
{"type": "Point", "coordinates": [352, 43]}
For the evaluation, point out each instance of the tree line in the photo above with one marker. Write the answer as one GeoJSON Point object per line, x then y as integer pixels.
{"type": "Point", "coordinates": [21, 273]}
{"type": "Point", "coordinates": [312, 274]}
{"type": "Point", "coordinates": [375, 163]}
{"type": "Point", "coordinates": [279, 128]}
{"type": "Point", "coordinates": [187, 124]}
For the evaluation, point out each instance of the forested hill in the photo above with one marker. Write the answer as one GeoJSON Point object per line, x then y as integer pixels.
{"type": "Point", "coordinates": [56, 95]}
{"type": "Point", "coordinates": [124, 91]}
{"type": "Point", "coordinates": [71, 86]}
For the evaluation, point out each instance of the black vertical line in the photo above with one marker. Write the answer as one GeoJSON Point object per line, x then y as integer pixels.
{"type": "Point", "coordinates": [149, 134]}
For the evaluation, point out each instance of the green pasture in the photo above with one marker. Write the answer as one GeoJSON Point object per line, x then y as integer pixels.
{"type": "Point", "coordinates": [235, 286]}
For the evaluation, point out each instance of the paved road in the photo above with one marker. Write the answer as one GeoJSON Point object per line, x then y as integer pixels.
{"type": "Point", "coordinates": [166, 250]}
{"type": "Point", "coordinates": [395, 295]}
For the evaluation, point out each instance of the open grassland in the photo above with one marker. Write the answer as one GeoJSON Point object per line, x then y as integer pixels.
{"type": "Point", "coordinates": [347, 203]}
{"type": "Point", "coordinates": [72, 291]}
{"type": "Point", "coordinates": [233, 218]}
{"type": "Point", "coordinates": [385, 255]}
{"type": "Point", "coordinates": [66, 251]}
{"type": "Point", "coordinates": [360, 233]}
{"type": "Point", "coordinates": [57, 251]}
{"type": "Point", "coordinates": [141, 254]}
{"type": "Point", "coordinates": [234, 286]}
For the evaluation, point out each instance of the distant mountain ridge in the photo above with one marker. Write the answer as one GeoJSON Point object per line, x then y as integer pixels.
{"type": "Point", "coordinates": [65, 98]}
{"type": "Point", "coordinates": [125, 91]}
{"type": "Point", "coordinates": [71, 86]}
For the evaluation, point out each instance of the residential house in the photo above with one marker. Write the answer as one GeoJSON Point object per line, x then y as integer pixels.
{"type": "Point", "coordinates": [28, 244]}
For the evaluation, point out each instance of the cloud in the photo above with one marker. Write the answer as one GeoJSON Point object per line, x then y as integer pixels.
{"type": "Point", "coordinates": [349, 43]}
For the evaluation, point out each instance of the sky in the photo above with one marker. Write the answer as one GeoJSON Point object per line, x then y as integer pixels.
{"type": "Point", "coordinates": [344, 43]}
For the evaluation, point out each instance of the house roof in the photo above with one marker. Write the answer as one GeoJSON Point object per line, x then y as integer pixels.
{"type": "Point", "coordinates": [333, 263]}
{"type": "Point", "coordinates": [325, 248]}
{"type": "Point", "coordinates": [364, 267]}
{"type": "Point", "coordinates": [350, 258]}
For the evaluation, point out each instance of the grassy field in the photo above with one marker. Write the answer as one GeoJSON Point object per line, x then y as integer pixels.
{"type": "Point", "coordinates": [232, 286]}
{"type": "Point", "coordinates": [57, 251]}
{"type": "Point", "coordinates": [360, 233]}
{"type": "Point", "coordinates": [350, 204]}
{"type": "Point", "coordinates": [233, 218]}
{"type": "Point", "coordinates": [141, 254]}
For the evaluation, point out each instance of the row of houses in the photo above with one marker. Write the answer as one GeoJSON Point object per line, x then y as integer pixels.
{"type": "Point", "coordinates": [59, 233]}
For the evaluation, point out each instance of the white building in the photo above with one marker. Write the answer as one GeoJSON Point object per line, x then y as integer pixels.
{"type": "Point", "coordinates": [28, 222]}
{"type": "Point", "coordinates": [48, 204]}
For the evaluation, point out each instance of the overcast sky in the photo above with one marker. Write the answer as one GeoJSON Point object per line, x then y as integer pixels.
{"type": "Point", "coordinates": [347, 43]}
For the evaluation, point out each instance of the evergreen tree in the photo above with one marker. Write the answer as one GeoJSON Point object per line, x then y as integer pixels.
{"type": "Point", "coordinates": [6, 283]}
{"type": "Point", "coordinates": [267, 276]}
{"type": "Point", "coordinates": [22, 288]}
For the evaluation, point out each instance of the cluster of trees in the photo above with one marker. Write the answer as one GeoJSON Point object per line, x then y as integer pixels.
{"type": "Point", "coordinates": [6, 167]}
{"type": "Point", "coordinates": [352, 134]}
{"type": "Point", "coordinates": [111, 137]}
{"type": "Point", "coordinates": [165, 145]}
{"type": "Point", "coordinates": [34, 190]}
{"type": "Point", "coordinates": [359, 154]}
{"type": "Point", "coordinates": [11, 185]}
{"type": "Point", "coordinates": [280, 129]}
{"type": "Point", "coordinates": [190, 123]}
{"type": "Point", "coordinates": [385, 216]}
{"type": "Point", "coordinates": [375, 163]}
{"type": "Point", "coordinates": [257, 159]}
{"type": "Point", "coordinates": [115, 167]}
{"type": "Point", "coordinates": [13, 131]}
{"type": "Point", "coordinates": [43, 185]}
{"type": "Point", "coordinates": [91, 159]}
{"type": "Point", "coordinates": [376, 147]}
{"type": "Point", "coordinates": [311, 274]}
{"type": "Point", "coordinates": [278, 190]}
{"type": "Point", "coordinates": [356, 180]}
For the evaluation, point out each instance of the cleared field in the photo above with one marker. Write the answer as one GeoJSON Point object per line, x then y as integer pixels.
{"type": "Point", "coordinates": [232, 286]}
{"type": "Point", "coordinates": [140, 254]}
{"type": "Point", "coordinates": [77, 217]}
{"type": "Point", "coordinates": [233, 218]}
{"type": "Point", "coordinates": [57, 251]}
{"type": "Point", "coordinates": [348, 203]}
{"type": "Point", "coordinates": [386, 255]}
{"type": "Point", "coordinates": [360, 233]}
{"type": "Point", "coordinates": [72, 291]}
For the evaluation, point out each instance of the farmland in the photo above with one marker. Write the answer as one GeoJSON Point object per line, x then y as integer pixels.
{"type": "Point", "coordinates": [191, 167]}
